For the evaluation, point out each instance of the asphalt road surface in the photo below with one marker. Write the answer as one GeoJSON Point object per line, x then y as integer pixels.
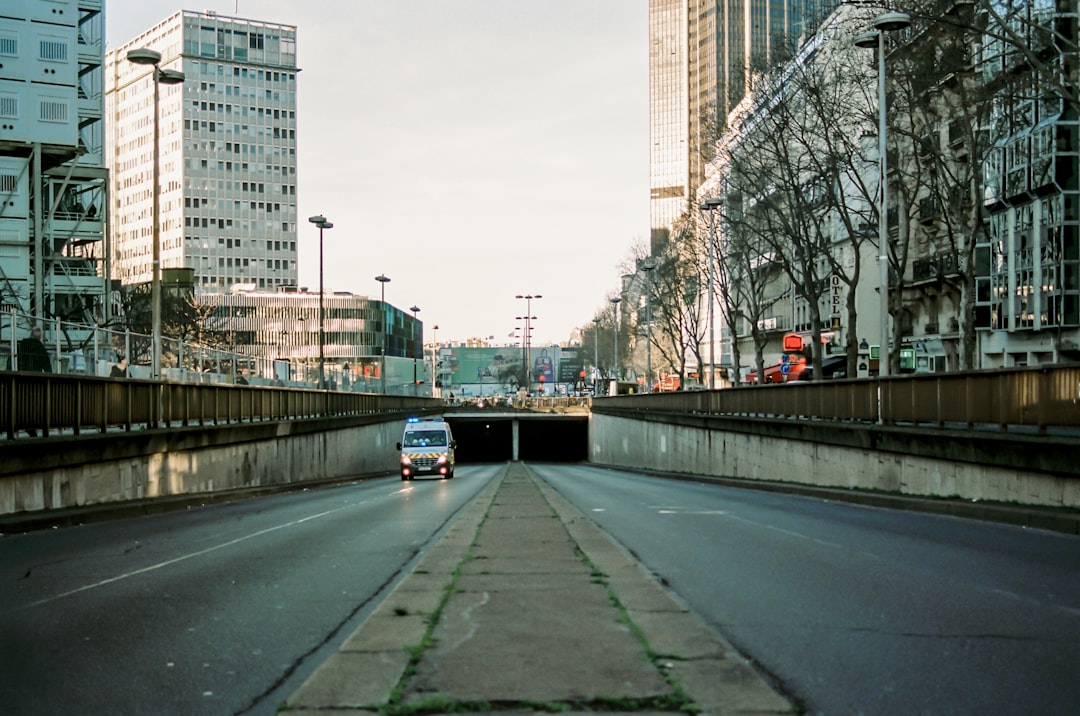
{"type": "Point", "coordinates": [858, 610]}
{"type": "Point", "coordinates": [220, 610]}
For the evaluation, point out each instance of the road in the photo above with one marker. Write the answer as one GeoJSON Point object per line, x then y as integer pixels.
{"type": "Point", "coordinates": [858, 610]}
{"type": "Point", "coordinates": [220, 610]}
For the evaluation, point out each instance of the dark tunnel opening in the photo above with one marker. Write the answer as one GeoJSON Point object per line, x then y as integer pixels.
{"type": "Point", "coordinates": [540, 439]}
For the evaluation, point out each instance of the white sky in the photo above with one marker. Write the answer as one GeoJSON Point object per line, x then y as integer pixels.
{"type": "Point", "coordinates": [471, 150]}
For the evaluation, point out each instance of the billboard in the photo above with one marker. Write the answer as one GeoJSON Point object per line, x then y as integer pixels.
{"type": "Point", "coordinates": [503, 367]}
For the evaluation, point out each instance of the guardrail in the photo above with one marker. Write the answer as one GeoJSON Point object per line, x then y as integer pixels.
{"type": "Point", "coordinates": [1041, 399]}
{"type": "Point", "coordinates": [43, 403]}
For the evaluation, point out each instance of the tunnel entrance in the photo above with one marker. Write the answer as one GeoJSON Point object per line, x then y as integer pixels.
{"type": "Point", "coordinates": [490, 438]}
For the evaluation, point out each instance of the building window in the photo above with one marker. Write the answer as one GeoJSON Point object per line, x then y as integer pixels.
{"type": "Point", "coordinates": [53, 110]}
{"type": "Point", "coordinates": [53, 50]}
{"type": "Point", "coordinates": [9, 106]}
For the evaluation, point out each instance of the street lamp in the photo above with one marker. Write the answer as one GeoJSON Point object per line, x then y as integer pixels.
{"type": "Point", "coordinates": [529, 318]}
{"type": "Point", "coordinates": [615, 312]}
{"type": "Point", "coordinates": [596, 358]}
{"type": "Point", "coordinates": [710, 206]}
{"type": "Point", "coordinates": [887, 22]}
{"type": "Point", "coordinates": [322, 223]}
{"type": "Point", "coordinates": [415, 310]}
{"type": "Point", "coordinates": [146, 56]}
{"type": "Point", "coordinates": [383, 279]}
{"type": "Point", "coordinates": [648, 265]}
{"type": "Point", "coordinates": [434, 358]}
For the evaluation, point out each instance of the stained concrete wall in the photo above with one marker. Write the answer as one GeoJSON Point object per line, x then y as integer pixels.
{"type": "Point", "coordinates": [70, 472]}
{"type": "Point", "coordinates": [1025, 470]}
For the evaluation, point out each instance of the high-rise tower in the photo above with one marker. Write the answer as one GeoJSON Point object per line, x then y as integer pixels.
{"type": "Point", "coordinates": [227, 152]}
{"type": "Point", "coordinates": [702, 57]}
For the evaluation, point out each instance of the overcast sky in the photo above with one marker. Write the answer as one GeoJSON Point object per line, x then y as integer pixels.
{"type": "Point", "coordinates": [471, 150]}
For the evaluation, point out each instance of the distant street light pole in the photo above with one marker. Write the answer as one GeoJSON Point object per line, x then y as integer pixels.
{"type": "Point", "coordinates": [615, 312]}
{"type": "Point", "coordinates": [648, 265]}
{"type": "Point", "coordinates": [434, 358]}
{"type": "Point", "coordinates": [415, 388]}
{"type": "Point", "coordinates": [322, 223]}
{"type": "Point", "coordinates": [710, 206]}
{"type": "Point", "coordinates": [383, 279]}
{"type": "Point", "coordinates": [146, 56]}
{"type": "Point", "coordinates": [529, 318]}
{"type": "Point", "coordinates": [887, 22]}
{"type": "Point", "coordinates": [596, 358]}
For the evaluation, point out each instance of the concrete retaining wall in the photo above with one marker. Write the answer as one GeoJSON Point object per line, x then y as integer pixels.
{"type": "Point", "coordinates": [95, 469]}
{"type": "Point", "coordinates": [992, 467]}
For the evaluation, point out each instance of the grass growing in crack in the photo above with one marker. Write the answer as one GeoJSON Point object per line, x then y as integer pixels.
{"type": "Point", "coordinates": [436, 704]}
{"type": "Point", "coordinates": [679, 699]}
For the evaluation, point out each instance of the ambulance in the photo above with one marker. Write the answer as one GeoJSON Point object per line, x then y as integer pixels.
{"type": "Point", "coordinates": [427, 448]}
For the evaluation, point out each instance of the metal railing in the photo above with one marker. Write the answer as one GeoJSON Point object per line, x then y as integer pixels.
{"type": "Point", "coordinates": [45, 404]}
{"type": "Point", "coordinates": [1041, 399]}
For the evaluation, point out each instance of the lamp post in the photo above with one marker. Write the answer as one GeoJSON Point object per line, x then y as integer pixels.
{"type": "Point", "coordinates": [710, 206]}
{"type": "Point", "coordinates": [383, 279]}
{"type": "Point", "coordinates": [146, 56]}
{"type": "Point", "coordinates": [434, 358]}
{"type": "Point", "coordinates": [648, 265]}
{"type": "Point", "coordinates": [887, 22]}
{"type": "Point", "coordinates": [615, 313]}
{"type": "Point", "coordinates": [529, 318]}
{"type": "Point", "coordinates": [596, 357]}
{"type": "Point", "coordinates": [322, 223]}
{"type": "Point", "coordinates": [415, 389]}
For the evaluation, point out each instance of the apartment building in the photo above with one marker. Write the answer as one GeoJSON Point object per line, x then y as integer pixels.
{"type": "Point", "coordinates": [53, 182]}
{"type": "Point", "coordinates": [983, 241]}
{"type": "Point", "coordinates": [227, 146]}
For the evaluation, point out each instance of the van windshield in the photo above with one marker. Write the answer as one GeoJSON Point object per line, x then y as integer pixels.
{"type": "Point", "coordinates": [424, 438]}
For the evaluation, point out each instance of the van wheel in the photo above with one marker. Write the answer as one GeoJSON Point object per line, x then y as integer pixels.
{"type": "Point", "coordinates": [404, 478]}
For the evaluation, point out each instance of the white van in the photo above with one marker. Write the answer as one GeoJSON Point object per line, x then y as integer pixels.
{"type": "Point", "coordinates": [427, 448]}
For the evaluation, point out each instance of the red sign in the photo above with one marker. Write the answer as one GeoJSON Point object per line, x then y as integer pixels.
{"type": "Point", "coordinates": [793, 342]}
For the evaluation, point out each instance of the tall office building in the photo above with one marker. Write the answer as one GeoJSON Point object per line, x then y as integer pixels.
{"type": "Point", "coordinates": [702, 57]}
{"type": "Point", "coordinates": [52, 172]}
{"type": "Point", "coordinates": [227, 152]}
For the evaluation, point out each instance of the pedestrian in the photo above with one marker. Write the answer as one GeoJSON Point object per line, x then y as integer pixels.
{"type": "Point", "coordinates": [33, 356]}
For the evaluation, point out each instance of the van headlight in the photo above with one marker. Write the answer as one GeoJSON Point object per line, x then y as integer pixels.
{"type": "Point", "coordinates": [442, 459]}
{"type": "Point", "coordinates": [405, 460]}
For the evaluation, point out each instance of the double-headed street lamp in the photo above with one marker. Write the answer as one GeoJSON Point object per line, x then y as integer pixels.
{"type": "Point", "coordinates": [322, 223]}
{"type": "Point", "coordinates": [710, 206]}
{"type": "Point", "coordinates": [596, 358]}
{"type": "Point", "coordinates": [434, 358]}
{"type": "Point", "coordinates": [887, 22]}
{"type": "Point", "coordinates": [615, 313]}
{"type": "Point", "coordinates": [529, 318]}
{"type": "Point", "coordinates": [146, 56]}
{"type": "Point", "coordinates": [415, 310]}
{"type": "Point", "coordinates": [383, 279]}
{"type": "Point", "coordinates": [648, 265]}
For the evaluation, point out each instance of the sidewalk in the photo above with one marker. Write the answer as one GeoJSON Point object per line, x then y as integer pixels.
{"type": "Point", "coordinates": [525, 606]}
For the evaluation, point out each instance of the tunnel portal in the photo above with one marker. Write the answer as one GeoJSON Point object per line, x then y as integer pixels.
{"type": "Point", "coordinates": [549, 438]}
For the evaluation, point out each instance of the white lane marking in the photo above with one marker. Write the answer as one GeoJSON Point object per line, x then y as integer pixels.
{"type": "Point", "coordinates": [182, 558]}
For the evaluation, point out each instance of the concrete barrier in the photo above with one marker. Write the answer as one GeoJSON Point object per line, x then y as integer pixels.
{"type": "Point", "coordinates": [1034, 470]}
{"type": "Point", "coordinates": [62, 473]}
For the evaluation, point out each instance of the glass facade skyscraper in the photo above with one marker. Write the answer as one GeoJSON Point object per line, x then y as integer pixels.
{"type": "Point", "coordinates": [702, 56]}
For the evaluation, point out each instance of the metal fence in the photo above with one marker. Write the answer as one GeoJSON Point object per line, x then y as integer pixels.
{"type": "Point", "coordinates": [45, 404]}
{"type": "Point", "coordinates": [1041, 399]}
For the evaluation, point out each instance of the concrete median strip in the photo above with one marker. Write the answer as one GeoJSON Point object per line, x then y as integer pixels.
{"type": "Point", "coordinates": [524, 606]}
